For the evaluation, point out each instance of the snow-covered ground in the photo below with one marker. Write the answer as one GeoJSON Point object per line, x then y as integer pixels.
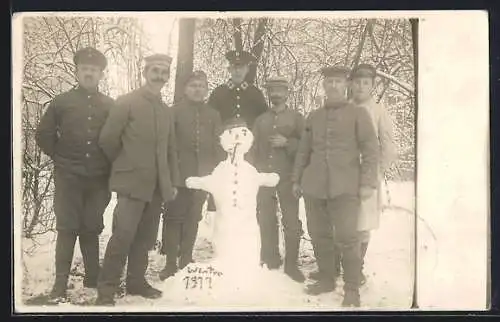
{"type": "Point", "coordinates": [389, 267]}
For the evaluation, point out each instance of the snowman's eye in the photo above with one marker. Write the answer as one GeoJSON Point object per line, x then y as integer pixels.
{"type": "Point", "coordinates": [244, 132]}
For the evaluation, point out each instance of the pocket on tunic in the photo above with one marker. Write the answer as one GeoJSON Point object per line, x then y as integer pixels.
{"type": "Point", "coordinates": [123, 164]}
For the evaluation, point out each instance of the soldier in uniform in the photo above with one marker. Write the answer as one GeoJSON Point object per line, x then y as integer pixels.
{"type": "Point", "coordinates": [139, 140]}
{"type": "Point", "coordinates": [329, 173]}
{"type": "Point", "coordinates": [237, 98]}
{"type": "Point", "coordinates": [362, 83]}
{"type": "Point", "coordinates": [68, 133]}
{"type": "Point", "coordinates": [276, 137]}
{"type": "Point", "coordinates": [197, 127]}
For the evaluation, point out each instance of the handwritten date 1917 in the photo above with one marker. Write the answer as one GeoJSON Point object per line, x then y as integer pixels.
{"type": "Point", "coordinates": [198, 282]}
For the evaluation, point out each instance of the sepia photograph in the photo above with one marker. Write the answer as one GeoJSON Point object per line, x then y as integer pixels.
{"type": "Point", "coordinates": [173, 162]}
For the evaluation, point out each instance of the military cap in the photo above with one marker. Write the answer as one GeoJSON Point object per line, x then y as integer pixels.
{"type": "Point", "coordinates": [90, 55]}
{"type": "Point", "coordinates": [158, 59]}
{"type": "Point", "coordinates": [277, 81]}
{"type": "Point", "coordinates": [234, 123]}
{"type": "Point", "coordinates": [331, 71]}
{"type": "Point", "coordinates": [240, 57]}
{"type": "Point", "coordinates": [363, 70]}
{"type": "Point", "coordinates": [198, 75]}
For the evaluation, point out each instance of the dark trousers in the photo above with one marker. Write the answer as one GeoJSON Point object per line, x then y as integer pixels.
{"type": "Point", "coordinates": [79, 204]}
{"type": "Point", "coordinates": [267, 202]}
{"type": "Point", "coordinates": [331, 221]}
{"type": "Point", "coordinates": [135, 228]}
{"type": "Point", "coordinates": [180, 225]}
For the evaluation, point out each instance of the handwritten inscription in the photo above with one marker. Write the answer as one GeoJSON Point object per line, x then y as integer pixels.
{"type": "Point", "coordinates": [200, 277]}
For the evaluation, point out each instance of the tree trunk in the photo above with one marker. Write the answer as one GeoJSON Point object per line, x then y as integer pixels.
{"type": "Point", "coordinates": [361, 45]}
{"type": "Point", "coordinates": [238, 40]}
{"type": "Point", "coordinates": [257, 49]}
{"type": "Point", "coordinates": [184, 55]}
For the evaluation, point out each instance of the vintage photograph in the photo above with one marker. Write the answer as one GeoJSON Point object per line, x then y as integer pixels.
{"type": "Point", "coordinates": [217, 162]}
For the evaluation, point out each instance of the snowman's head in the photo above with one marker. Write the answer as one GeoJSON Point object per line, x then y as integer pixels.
{"type": "Point", "coordinates": [236, 140]}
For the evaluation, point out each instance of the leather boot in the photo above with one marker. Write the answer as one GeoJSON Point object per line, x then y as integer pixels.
{"type": "Point", "coordinates": [65, 246]}
{"type": "Point", "coordinates": [325, 285]}
{"type": "Point", "coordinates": [169, 270]}
{"type": "Point", "coordinates": [364, 248]}
{"type": "Point", "coordinates": [291, 258]}
{"type": "Point", "coordinates": [89, 246]}
{"type": "Point", "coordinates": [338, 260]}
{"type": "Point", "coordinates": [351, 298]}
{"type": "Point", "coordinates": [188, 239]}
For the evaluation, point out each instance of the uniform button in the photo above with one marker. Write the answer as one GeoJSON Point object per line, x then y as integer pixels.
{"type": "Point", "coordinates": [89, 118]}
{"type": "Point", "coordinates": [89, 96]}
{"type": "Point", "coordinates": [89, 142]}
{"type": "Point", "coordinates": [87, 155]}
{"type": "Point", "coordinates": [274, 127]}
{"type": "Point", "coordinates": [234, 192]}
{"type": "Point", "coordinates": [237, 89]}
{"type": "Point", "coordinates": [238, 115]}
{"type": "Point", "coordinates": [89, 130]}
{"type": "Point", "coordinates": [235, 181]}
{"type": "Point", "coordinates": [237, 105]}
{"type": "Point", "coordinates": [238, 97]}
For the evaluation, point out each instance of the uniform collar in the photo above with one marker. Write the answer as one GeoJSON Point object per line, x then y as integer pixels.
{"type": "Point", "coordinates": [280, 111]}
{"type": "Point", "coordinates": [231, 85]}
{"type": "Point", "coordinates": [149, 95]}
{"type": "Point", "coordinates": [85, 91]}
{"type": "Point", "coordinates": [368, 103]}
{"type": "Point", "coordinates": [193, 103]}
{"type": "Point", "coordinates": [336, 105]}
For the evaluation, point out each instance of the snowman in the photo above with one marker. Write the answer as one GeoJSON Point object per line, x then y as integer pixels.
{"type": "Point", "coordinates": [234, 276]}
{"type": "Point", "coordinates": [234, 184]}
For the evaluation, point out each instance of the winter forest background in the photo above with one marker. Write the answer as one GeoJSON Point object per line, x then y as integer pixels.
{"type": "Point", "coordinates": [295, 48]}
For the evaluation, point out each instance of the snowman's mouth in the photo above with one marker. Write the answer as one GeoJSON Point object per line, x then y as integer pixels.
{"type": "Point", "coordinates": [233, 151]}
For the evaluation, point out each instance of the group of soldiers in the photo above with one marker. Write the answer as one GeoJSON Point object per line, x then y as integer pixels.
{"type": "Point", "coordinates": [143, 150]}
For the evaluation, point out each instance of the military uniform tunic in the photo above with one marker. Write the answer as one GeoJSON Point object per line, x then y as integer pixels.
{"type": "Point", "coordinates": [244, 100]}
{"type": "Point", "coordinates": [68, 132]}
{"type": "Point", "coordinates": [197, 128]}
{"type": "Point", "coordinates": [280, 160]}
{"type": "Point", "coordinates": [328, 158]}
{"type": "Point", "coordinates": [139, 139]}
{"type": "Point", "coordinates": [330, 171]}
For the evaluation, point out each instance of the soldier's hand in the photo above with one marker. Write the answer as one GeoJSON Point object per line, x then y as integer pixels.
{"type": "Point", "coordinates": [297, 190]}
{"type": "Point", "coordinates": [174, 192]}
{"type": "Point", "coordinates": [278, 141]}
{"type": "Point", "coordinates": [366, 192]}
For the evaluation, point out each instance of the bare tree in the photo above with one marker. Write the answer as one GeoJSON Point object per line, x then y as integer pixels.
{"type": "Point", "coordinates": [48, 70]}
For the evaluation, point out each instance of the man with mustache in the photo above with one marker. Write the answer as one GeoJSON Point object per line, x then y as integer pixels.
{"type": "Point", "coordinates": [333, 179]}
{"type": "Point", "coordinates": [139, 140]}
{"type": "Point", "coordinates": [68, 133]}
{"type": "Point", "coordinates": [362, 84]}
{"type": "Point", "coordinates": [197, 127]}
{"type": "Point", "coordinates": [276, 136]}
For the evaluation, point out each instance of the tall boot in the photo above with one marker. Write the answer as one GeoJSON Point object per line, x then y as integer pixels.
{"type": "Point", "coordinates": [65, 246]}
{"type": "Point", "coordinates": [170, 247]}
{"type": "Point", "coordinates": [338, 259]}
{"type": "Point", "coordinates": [188, 238]}
{"type": "Point", "coordinates": [89, 246]}
{"type": "Point", "coordinates": [364, 248]}
{"type": "Point", "coordinates": [292, 245]}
